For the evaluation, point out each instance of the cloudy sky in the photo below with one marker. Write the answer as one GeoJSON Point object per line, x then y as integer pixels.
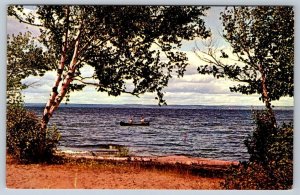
{"type": "Point", "coordinates": [192, 89]}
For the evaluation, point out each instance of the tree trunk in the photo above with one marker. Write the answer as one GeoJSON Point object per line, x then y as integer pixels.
{"type": "Point", "coordinates": [265, 94]}
{"type": "Point", "coordinates": [56, 97]}
{"type": "Point", "coordinates": [68, 79]}
{"type": "Point", "coordinates": [54, 103]}
{"type": "Point", "coordinates": [47, 114]}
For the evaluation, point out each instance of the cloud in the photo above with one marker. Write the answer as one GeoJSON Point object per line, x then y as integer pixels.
{"type": "Point", "coordinates": [194, 78]}
{"type": "Point", "coordinates": [221, 99]}
{"type": "Point", "coordinates": [212, 99]}
{"type": "Point", "coordinates": [202, 84]}
{"type": "Point", "coordinates": [192, 89]}
{"type": "Point", "coordinates": [47, 79]}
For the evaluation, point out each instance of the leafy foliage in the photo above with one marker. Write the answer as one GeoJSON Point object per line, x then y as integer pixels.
{"type": "Point", "coordinates": [24, 140]}
{"type": "Point", "coordinates": [271, 158]}
{"type": "Point", "coordinates": [132, 48]}
{"type": "Point", "coordinates": [259, 141]}
{"type": "Point", "coordinates": [24, 58]}
{"type": "Point", "coordinates": [262, 38]}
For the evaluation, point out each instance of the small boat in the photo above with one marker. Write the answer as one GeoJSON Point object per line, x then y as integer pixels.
{"type": "Point", "coordinates": [134, 124]}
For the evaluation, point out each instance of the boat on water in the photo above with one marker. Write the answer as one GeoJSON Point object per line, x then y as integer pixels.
{"type": "Point", "coordinates": [134, 124]}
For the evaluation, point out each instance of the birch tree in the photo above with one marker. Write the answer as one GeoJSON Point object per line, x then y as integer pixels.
{"type": "Point", "coordinates": [262, 39]}
{"type": "Point", "coordinates": [124, 44]}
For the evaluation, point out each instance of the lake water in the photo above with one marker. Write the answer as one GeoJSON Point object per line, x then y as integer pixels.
{"type": "Point", "coordinates": [199, 131]}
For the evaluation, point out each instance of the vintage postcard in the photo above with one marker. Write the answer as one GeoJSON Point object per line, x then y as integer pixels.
{"type": "Point", "coordinates": [150, 97]}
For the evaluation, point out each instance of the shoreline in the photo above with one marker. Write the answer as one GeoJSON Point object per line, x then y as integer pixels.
{"type": "Point", "coordinates": [169, 159]}
{"type": "Point", "coordinates": [108, 172]}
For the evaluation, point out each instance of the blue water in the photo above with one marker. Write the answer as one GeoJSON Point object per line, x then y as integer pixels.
{"type": "Point", "coordinates": [199, 131]}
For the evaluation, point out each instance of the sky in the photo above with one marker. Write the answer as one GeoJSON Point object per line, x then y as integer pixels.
{"type": "Point", "coordinates": [192, 89]}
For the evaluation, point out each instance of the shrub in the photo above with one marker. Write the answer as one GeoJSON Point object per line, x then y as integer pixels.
{"type": "Point", "coordinates": [123, 151]}
{"type": "Point", "coordinates": [259, 142]}
{"type": "Point", "coordinates": [25, 140]}
{"type": "Point", "coordinates": [271, 158]}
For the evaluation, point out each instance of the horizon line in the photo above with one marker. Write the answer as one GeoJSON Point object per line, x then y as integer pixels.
{"type": "Point", "coordinates": [162, 105]}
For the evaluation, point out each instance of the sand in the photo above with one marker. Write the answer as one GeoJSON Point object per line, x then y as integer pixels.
{"type": "Point", "coordinates": [107, 176]}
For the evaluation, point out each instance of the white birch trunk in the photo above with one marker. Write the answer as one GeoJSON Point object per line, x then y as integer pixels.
{"type": "Point", "coordinates": [56, 97]}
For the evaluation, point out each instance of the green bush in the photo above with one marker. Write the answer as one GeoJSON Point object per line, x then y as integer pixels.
{"type": "Point", "coordinates": [25, 140]}
{"type": "Point", "coordinates": [271, 158]}
{"type": "Point", "coordinates": [259, 142]}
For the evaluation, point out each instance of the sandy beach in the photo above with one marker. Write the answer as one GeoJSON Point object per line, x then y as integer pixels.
{"type": "Point", "coordinates": [106, 176]}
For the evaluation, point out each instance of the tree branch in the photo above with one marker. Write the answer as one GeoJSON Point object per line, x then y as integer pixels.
{"type": "Point", "coordinates": [131, 93]}
{"type": "Point", "coordinates": [101, 85]}
{"type": "Point", "coordinates": [32, 84]}
{"type": "Point", "coordinates": [88, 83]}
{"type": "Point", "coordinates": [23, 21]}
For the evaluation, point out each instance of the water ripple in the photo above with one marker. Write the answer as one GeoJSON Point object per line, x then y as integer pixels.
{"type": "Point", "coordinates": [212, 133]}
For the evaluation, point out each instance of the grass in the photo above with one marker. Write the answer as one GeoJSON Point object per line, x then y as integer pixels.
{"type": "Point", "coordinates": [198, 170]}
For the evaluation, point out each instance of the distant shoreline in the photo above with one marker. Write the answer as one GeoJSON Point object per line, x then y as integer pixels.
{"type": "Point", "coordinates": [250, 107]}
